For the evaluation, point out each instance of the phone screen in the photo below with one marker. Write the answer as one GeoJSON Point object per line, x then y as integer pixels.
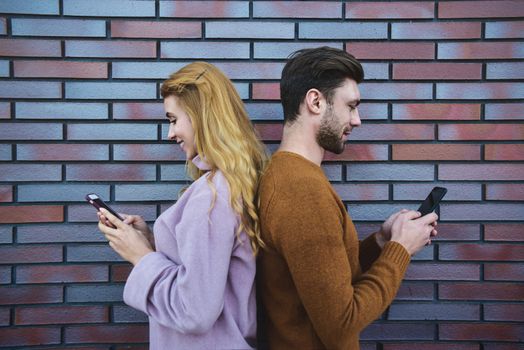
{"type": "Point", "coordinates": [432, 200]}
{"type": "Point", "coordinates": [98, 203]}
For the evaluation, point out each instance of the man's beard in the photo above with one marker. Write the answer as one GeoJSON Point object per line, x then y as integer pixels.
{"type": "Point", "coordinates": [329, 135]}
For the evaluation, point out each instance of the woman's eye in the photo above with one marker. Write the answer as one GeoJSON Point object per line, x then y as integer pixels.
{"type": "Point", "coordinates": [172, 121]}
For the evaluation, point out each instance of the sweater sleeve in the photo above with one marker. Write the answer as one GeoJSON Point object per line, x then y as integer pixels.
{"type": "Point", "coordinates": [369, 252]}
{"type": "Point", "coordinates": [307, 231]}
{"type": "Point", "coordinates": [189, 296]}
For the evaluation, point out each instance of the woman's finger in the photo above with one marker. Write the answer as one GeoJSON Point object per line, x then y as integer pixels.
{"type": "Point", "coordinates": [112, 219]}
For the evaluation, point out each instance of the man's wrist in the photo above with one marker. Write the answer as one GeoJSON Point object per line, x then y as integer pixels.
{"type": "Point", "coordinates": [379, 238]}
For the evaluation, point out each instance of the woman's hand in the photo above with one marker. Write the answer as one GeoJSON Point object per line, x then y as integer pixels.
{"type": "Point", "coordinates": [136, 221]}
{"type": "Point", "coordinates": [129, 242]}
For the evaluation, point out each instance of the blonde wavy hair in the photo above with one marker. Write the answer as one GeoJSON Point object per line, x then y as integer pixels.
{"type": "Point", "coordinates": [224, 137]}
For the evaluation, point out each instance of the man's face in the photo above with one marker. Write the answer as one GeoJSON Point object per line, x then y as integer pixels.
{"type": "Point", "coordinates": [340, 117]}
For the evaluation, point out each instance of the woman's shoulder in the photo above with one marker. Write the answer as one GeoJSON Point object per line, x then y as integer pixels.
{"type": "Point", "coordinates": [212, 182]}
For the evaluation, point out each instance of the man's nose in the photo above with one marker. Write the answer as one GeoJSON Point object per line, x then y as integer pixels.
{"type": "Point", "coordinates": [355, 118]}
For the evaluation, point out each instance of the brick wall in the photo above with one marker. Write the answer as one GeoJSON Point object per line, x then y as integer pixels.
{"type": "Point", "coordinates": [80, 112]}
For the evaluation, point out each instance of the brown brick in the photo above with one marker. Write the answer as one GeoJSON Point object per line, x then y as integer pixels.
{"type": "Point", "coordinates": [437, 71]}
{"type": "Point", "coordinates": [61, 315]}
{"type": "Point", "coordinates": [31, 254]}
{"type": "Point", "coordinates": [485, 252]}
{"type": "Point", "coordinates": [391, 50]}
{"type": "Point", "coordinates": [31, 295]}
{"type": "Point", "coordinates": [60, 69]}
{"type": "Point", "coordinates": [150, 29]}
{"type": "Point", "coordinates": [504, 152]}
{"type": "Point", "coordinates": [505, 192]}
{"type": "Point", "coordinates": [31, 213]}
{"type": "Point", "coordinates": [480, 9]}
{"type": "Point", "coordinates": [435, 152]}
{"type": "Point", "coordinates": [481, 291]}
{"type": "Point", "coordinates": [390, 10]}
{"type": "Point", "coordinates": [503, 232]}
{"type": "Point", "coordinates": [504, 272]}
{"type": "Point", "coordinates": [30, 48]}
{"type": "Point", "coordinates": [6, 193]}
{"type": "Point", "coordinates": [436, 111]}
{"type": "Point", "coordinates": [107, 334]}
{"type": "Point", "coordinates": [504, 312]}
{"type": "Point", "coordinates": [27, 336]}
{"type": "Point", "coordinates": [481, 331]}
{"type": "Point", "coordinates": [481, 131]}
{"type": "Point", "coordinates": [119, 273]}
{"type": "Point", "coordinates": [61, 273]}
{"type": "Point", "coordinates": [356, 152]}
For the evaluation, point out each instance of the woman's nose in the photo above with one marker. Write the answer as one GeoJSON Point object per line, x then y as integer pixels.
{"type": "Point", "coordinates": [171, 132]}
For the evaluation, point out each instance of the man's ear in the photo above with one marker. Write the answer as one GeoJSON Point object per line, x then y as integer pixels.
{"type": "Point", "coordinates": [314, 101]}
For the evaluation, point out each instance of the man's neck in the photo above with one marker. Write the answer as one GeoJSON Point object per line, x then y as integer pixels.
{"type": "Point", "coordinates": [298, 138]}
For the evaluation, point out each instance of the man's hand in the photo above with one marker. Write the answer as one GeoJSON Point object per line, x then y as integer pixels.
{"type": "Point", "coordinates": [412, 231]}
{"type": "Point", "coordinates": [128, 242]}
{"type": "Point", "coordinates": [384, 235]}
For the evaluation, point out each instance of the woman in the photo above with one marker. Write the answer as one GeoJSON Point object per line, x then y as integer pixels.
{"type": "Point", "coordinates": [197, 287]}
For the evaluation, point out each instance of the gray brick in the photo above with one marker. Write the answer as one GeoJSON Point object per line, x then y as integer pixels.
{"type": "Point", "coordinates": [145, 70]}
{"type": "Point", "coordinates": [92, 253]}
{"type": "Point", "coordinates": [106, 91]}
{"type": "Point", "coordinates": [204, 50]}
{"type": "Point", "coordinates": [157, 192]}
{"type": "Point", "coordinates": [30, 7]}
{"type": "Point", "coordinates": [331, 30]}
{"type": "Point", "coordinates": [175, 172]}
{"type": "Point", "coordinates": [283, 49]}
{"type": "Point", "coordinates": [58, 233]}
{"type": "Point", "coordinates": [60, 110]}
{"type": "Point", "coordinates": [4, 68]}
{"type": "Point", "coordinates": [59, 193]}
{"type": "Point", "coordinates": [109, 8]}
{"type": "Point", "coordinates": [250, 30]}
{"type": "Point", "coordinates": [5, 152]}
{"type": "Point", "coordinates": [58, 27]}
{"type": "Point", "coordinates": [94, 293]}
{"type": "Point", "coordinates": [390, 172]}
{"type": "Point", "coordinates": [112, 131]}
{"type": "Point", "coordinates": [25, 131]}
{"type": "Point", "coordinates": [30, 89]}
{"type": "Point", "coordinates": [126, 314]}
{"type": "Point", "coordinates": [264, 111]}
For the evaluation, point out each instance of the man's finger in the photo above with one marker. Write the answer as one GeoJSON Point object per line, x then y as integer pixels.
{"type": "Point", "coordinates": [411, 214]}
{"type": "Point", "coordinates": [430, 218]}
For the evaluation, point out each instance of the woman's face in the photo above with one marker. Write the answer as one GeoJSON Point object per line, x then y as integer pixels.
{"type": "Point", "coordinates": [180, 128]}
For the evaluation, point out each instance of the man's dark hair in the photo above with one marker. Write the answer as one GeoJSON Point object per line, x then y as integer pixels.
{"type": "Point", "coordinates": [323, 68]}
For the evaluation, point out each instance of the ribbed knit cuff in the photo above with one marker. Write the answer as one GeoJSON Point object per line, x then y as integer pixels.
{"type": "Point", "coordinates": [396, 253]}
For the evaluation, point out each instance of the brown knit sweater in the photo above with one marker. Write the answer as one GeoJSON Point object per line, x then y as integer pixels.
{"type": "Point", "coordinates": [318, 284]}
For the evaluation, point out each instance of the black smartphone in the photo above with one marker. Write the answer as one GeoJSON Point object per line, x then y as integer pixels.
{"type": "Point", "coordinates": [98, 203]}
{"type": "Point", "coordinates": [432, 200]}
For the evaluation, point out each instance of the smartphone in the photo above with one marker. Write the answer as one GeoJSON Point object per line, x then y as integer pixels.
{"type": "Point", "coordinates": [98, 203]}
{"type": "Point", "coordinates": [432, 200]}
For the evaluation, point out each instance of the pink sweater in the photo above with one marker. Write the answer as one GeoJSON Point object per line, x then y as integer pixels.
{"type": "Point", "coordinates": [198, 287]}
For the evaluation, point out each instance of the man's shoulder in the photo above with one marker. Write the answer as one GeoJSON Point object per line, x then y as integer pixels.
{"type": "Point", "coordinates": [288, 175]}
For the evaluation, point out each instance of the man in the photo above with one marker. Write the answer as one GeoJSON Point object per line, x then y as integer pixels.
{"type": "Point", "coordinates": [319, 285]}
